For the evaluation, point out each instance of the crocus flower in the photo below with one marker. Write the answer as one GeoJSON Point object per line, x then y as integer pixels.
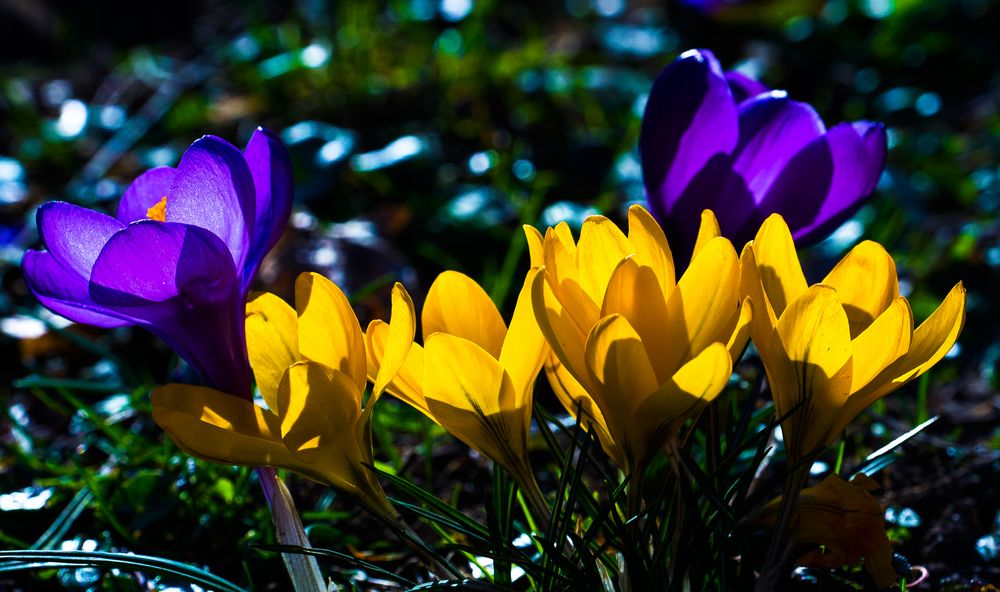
{"type": "Point", "coordinates": [179, 256]}
{"type": "Point", "coordinates": [474, 376]}
{"type": "Point", "coordinates": [845, 521]}
{"type": "Point", "coordinates": [310, 366]}
{"type": "Point", "coordinates": [830, 350]}
{"type": "Point", "coordinates": [722, 142]}
{"type": "Point", "coordinates": [634, 350]}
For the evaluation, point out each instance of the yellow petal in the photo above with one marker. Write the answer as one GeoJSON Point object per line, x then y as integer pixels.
{"type": "Point", "coordinates": [883, 342]}
{"type": "Point", "coordinates": [458, 306]}
{"type": "Point", "coordinates": [219, 427]}
{"type": "Point", "coordinates": [741, 335]}
{"type": "Point", "coordinates": [695, 385]}
{"type": "Point", "coordinates": [402, 328]}
{"type": "Point", "coordinates": [651, 247]}
{"type": "Point", "coordinates": [705, 306]}
{"type": "Point", "coordinates": [809, 368]}
{"type": "Point", "coordinates": [602, 246]}
{"type": "Point", "coordinates": [620, 370]}
{"type": "Point", "coordinates": [866, 281]}
{"type": "Point", "coordinates": [634, 292]}
{"type": "Point", "coordinates": [535, 245]}
{"type": "Point", "coordinates": [560, 331]}
{"type": "Point", "coordinates": [472, 397]}
{"type": "Point", "coordinates": [329, 332]}
{"type": "Point", "coordinates": [575, 399]}
{"type": "Point", "coordinates": [524, 348]}
{"type": "Point", "coordinates": [707, 230]}
{"type": "Point", "coordinates": [777, 264]}
{"type": "Point", "coordinates": [564, 235]}
{"type": "Point", "coordinates": [407, 383]}
{"type": "Point", "coordinates": [763, 320]}
{"type": "Point", "coordinates": [563, 276]}
{"type": "Point", "coordinates": [318, 406]}
{"type": "Point", "coordinates": [930, 342]}
{"type": "Point", "coordinates": [272, 342]}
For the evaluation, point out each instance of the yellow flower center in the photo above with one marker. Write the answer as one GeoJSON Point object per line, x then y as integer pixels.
{"type": "Point", "coordinates": [158, 211]}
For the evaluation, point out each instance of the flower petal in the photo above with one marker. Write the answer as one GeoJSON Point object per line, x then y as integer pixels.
{"type": "Point", "coordinates": [651, 247]}
{"type": "Point", "coordinates": [458, 306]}
{"type": "Point", "coordinates": [219, 427]}
{"type": "Point", "coordinates": [144, 192]}
{"type": "Point", "coordinates": [883, 342]}
{"type": "Point", "coordinates": [634, 293]}
{"type": "Point", "coordinates": [763, 320]}
{"type": "Point", "coordinates": [524, 347]}
{"type": "Point", "coordinates": [406, 385]}
{"type": "Point", "coordinates": [601, 248]}
{"type": "Point", "coordinates": [866, 281]}
{"type": "Point", "coordinates": [213, 189]}
{"type": "Point", "coordinates": [271, 169]}
{"type": "Point", "coordinates": [744, 87]}
{"type": "Point", "coordinates": [329, 332]}
{"type": "Point", "coordinates": [560, 331]}
{"type": "Point", "coordinates": [705, 306]}
{"type": "Point", "coordinates": [536, 250]}
{"type": "Point", "coordinates": [272, 342]}
{"type": "Point", "coordinates": [777, 264]}
{"type": "Point", "coordinates": [65, 293]}
{"type": "Point", "coordinates": [773, 128]}
{"type": "Point", "coordinates": [575, 399]}
{"type": "Point", "coordinates": [402, 328]}
{"type": "Point", "coordinates": [318, 407]}
{"type": "Point", "coordinates": [75, 235]}
{"type": "Point", "coordinates": [707, 230]}
{"type": "Point", "coordinates": [563, 275]}
{"type": "Point", "coordinates": [690, 117]}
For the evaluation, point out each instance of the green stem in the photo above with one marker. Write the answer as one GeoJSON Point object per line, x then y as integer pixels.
{"type": "Point", "coordinates": [780, 549]}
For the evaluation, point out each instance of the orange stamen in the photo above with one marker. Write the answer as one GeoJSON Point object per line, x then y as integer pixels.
{"type": "Point", "coordinates": [158, 211]}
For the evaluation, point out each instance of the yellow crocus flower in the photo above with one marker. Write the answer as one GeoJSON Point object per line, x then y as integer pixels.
{"type": "Point", "coordinates": [845, 521]}
{"type": "Point", "coordinates": [833, 348]}
{"type": "Point", "coordinates": [473, 376]}
{"type": "Point", "coordinates": [310, 367]}
{"type": "Point", "coordinates": [633, 348]}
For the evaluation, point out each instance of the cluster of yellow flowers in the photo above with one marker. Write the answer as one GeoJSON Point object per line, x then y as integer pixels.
{"type": "Point", "coordinates": [629, 348]}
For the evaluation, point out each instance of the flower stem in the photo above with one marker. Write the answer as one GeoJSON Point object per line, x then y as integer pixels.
{"type": "Point", "coordinates": [303, 570]}
{"type": "Point", "coordinates": [781, 547]}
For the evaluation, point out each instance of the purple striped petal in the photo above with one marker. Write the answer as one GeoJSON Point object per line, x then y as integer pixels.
{"type": "Point", "coordinates": [271, 168]}
{"type": "Point", "coordinates": [144, 192]}
{"type": "Point", "coordinates": [744, 87]}
{"type": "Point", "coordinates": [179, 281]}
{"type": "Point", "coordinates": [213, 189]}
{"type": "Point", "coordinates": [64, 292]}
{"type": "Point", "coordinates": [690, 117]}
{"type": "Point", "coordinates": [773, 129]}
{"type": "Point", "coordinates": [75, 235]}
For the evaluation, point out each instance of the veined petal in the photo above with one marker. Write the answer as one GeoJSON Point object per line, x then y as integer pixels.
{"type": "Point", "coordinates": [75, 235]}
{"type": "Point", "coordinates": [458, 306]}
{"type": "Point", "coordinates": [777, 264]}
{"type": "Point", "coordinates": [634, 292]}
{"type": "Point", "coordinates": [563, 275]}
{"type": "Point", "coordinates": [219, 427]}
{"type": "Point", "coordinates": [810, 368]}
{"type": "Point", "coordinates": [329, 332]}
{"type": "Point", "coordinates": [705, 306]}
{"type": "Point", "coordinates": [272, 342]}
{"type": "Point", "coordinates": [213, 189]}
{"type": "Point", "coordinates": [741, 335]}
{"type": "Point", "coordinates": [651, 247]}
{"type": "Point", "coordinates": [623, 377]}
{"type": "Point", "coordinates": [64, 292]}
{"type": "Point", "coordinates": [866, 281]}
{"type": "Point", "coordinates": [402, 328]}
{"type": "Point", "coordinates": [707, 230]}
{"type": "Point", "coordinates": [407, 384]}
{"type": "Point", "coordinates": [576, 399]}
{"type": "Point", "coordinates": [536, 250]}
{"type": "Point", "coordinates": [763, 319]}
{"type": "Point", "coordinates": [885, 340]}
{"type": "Point", "coordinates": [524, 348]}
{"type": "Point", "coordinates": [318, 407]}
{"type": "Point", "coordinates": [931, 341]}
{"type": "Point", "coordinates": [560, 331]}
{"type": "Point", "coordinates": [602, 246]}
{"type": "Point", "coordinates": [271, 169]}
{"type": "Point", "coordinates": [144, 192]}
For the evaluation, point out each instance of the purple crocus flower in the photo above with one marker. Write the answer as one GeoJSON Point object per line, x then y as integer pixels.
{"type": "Point", "coordinates": [178, 258]}
{"type": "Point", "coordinates": [724, 142]}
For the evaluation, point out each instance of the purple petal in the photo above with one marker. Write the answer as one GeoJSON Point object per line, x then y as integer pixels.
{"type": "Point", "coordinates": [271, 169]}
{"type": "Point", "coordinates": [179, 281]}
{"type": "Point", "coordinates": [144, 192]}
{"type": "Point", "coordinates": [75, 235]}
{"type": "Point", "coordinates": [213, 189]}
{"type": "Point", "coordinates": [828, 180]}
{"type": "Point", "coordinates": [744, 87]}
{"type": "Point", "coordinates": [64, 292]}
{"type": "Point", "coordinates": [773, 128]}
{"type": "Point", "coordinates": [690, 117]}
